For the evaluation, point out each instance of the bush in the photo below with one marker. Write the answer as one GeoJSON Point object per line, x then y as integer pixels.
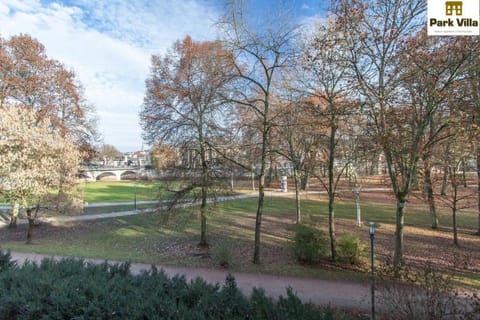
{"type": "Point", "coordinates": [222, 255]}
{"type": "Point", "coordinates": [309, 244]}
{"type": "Point", "coordinates": [427, 294]}
{"type": "Point", "coordinates": [72, 289]}
{"type": "Point", "coordinates": [6, 261]}
{"type": "Point", "coordinates": [350, 249]}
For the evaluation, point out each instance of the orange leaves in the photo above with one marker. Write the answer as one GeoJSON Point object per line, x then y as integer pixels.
{"type": "Point", "coordinates": [29, 79]}
{"type": "Point", "coordinates": [184, 90]}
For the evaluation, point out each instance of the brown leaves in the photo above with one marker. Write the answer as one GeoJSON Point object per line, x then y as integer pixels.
{"type": "Point", "coordinates": [29, 79]}
{"type": "Point", "coordinates": [184, 90]}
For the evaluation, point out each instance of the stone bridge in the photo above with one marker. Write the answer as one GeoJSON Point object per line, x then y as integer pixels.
{"type": "Point", "coordinates": [118, 173]}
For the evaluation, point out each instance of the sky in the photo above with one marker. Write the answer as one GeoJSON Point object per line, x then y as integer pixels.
{"type": "Point", "coordinates": [108, 44]}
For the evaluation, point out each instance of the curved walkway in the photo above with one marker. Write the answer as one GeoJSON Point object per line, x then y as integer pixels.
{"type": "Point", "coordinates": [87, 217]}
{"type": "Point", "coordinates": [347, 295]}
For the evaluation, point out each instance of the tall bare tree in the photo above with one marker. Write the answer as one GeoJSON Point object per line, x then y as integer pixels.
{"type": "Point", "coordinates": [299, 135]}
{"type": "Point", "coordinates": [375, 31]}
{"type": "Point", "coordinates": [326, 81]}
{"type": "Point", "coordinates": [430, 69]}
{"type": "Point", "coordinates": [466, 99]}
{"type": "Point", "coordinates": [404, 77]}
{"type": "Point", "coordinates": [182, 107]}
{"type": "Point", "coordinates": [261, 52]}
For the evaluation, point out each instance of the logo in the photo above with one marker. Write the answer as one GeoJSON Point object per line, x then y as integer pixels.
{"type": "Point", "coordinates": [452, 7]}
{"type": "Point", "coordinates": [453, 18]}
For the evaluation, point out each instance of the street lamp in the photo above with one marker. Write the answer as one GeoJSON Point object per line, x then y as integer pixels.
{"type": "Point", "coordinates": [135, 194]}
{"type": "Point", "coordinates": [372, 236]}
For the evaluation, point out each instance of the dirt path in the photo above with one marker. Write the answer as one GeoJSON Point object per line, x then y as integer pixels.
{"type": "Point", "coordinates": [340, 294]}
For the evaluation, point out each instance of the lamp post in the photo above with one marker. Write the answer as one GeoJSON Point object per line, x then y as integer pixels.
{"type": "Point", "coordinates": [135, 195]}
{"type": "Point", "coordinates": [372, 236]}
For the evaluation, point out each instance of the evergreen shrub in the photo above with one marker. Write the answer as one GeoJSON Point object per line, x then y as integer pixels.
{"type": "Point", "coordinates": [309, 244]}
{"type": "Point", "coordinates": [74, 289]}
{"type": "Point", "coordinates": [350, 249]}
{"type": "Point", "coordinates": [222, 255]}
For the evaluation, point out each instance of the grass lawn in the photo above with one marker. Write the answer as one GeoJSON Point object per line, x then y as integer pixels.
{"type": "Point", "coordinates": [125, 191]}
{"type": "Point", "coordinates": [171, 237]}
{"type": "Point", "coordinates": [119, 191]}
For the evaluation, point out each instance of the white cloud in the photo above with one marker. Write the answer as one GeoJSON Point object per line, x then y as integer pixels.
{"type": "Point", "coordinates": [108, 44]}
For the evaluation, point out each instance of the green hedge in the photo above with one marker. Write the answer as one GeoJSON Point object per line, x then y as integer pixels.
{"type": "Point", "coordinates": [74, 289]}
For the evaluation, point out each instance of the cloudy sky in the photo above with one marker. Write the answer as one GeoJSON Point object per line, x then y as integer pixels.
{"type": "Point", "coordinates": [109, 43]}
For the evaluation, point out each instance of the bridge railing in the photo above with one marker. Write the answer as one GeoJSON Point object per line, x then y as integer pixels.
{"type": "Point", "coordinates": [103, 168]}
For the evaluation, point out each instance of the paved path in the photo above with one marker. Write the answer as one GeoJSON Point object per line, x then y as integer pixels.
{"type": "Point", "coordinates": [87, 217]}
{"type": "Point", "coordinates": [337, 293]}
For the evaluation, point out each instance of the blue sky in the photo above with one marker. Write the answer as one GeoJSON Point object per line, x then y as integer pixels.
{"type": "Point", "coordinates": [109, 43]}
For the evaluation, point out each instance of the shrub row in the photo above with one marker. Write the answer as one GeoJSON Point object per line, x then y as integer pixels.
{"type": "Point", "coordinates": [74, 289]}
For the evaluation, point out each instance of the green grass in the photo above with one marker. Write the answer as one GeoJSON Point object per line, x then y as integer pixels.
{"type": "Point", "coordinates": [124, 191]}
{"type": "Point", "coordinates": [119, 191]}
{"type": "Point", "coordinates": [170, 238]}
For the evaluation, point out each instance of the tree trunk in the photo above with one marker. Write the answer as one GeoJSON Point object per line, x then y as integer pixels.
{"type": "Point", "coordinates": [445, 171]}
{"type": "Point", "coordinates": [253, 178]}
{"type": "Point", "coordinates": [429, 191]}
{"type": "Point", "coordinates": [454, 221]}
{"type": "Point", "coordinates": [331, 226]}
{"type": "Point", "coordinates": [357, 202]}
{"type": "Point", "coordinates": [304, 180]}
{"type": "Point", "coordinates": [297, 194]}
{"type": "Point", "coordinates": [261, 196]}
{"type": "Point", "coordinates": [203, 218]}
{"type": "Point", "coordinates": [454, 209]}
{"type": "Point", "coordinates": [464, 172]}
{"type": "Point", "coordinates": [203, 206]}
{"type": "Point", "coordinates": [258, 219]}
{"type": "Point", "coordinates": [331, 194]}
{"type": "Point", "coordinates": [31, 222]}
{"type": "Point", "coordinates": [400, 219]}
{"type": "Point", "coordinates": [14, 215]}
{"type": "Point", "coordinates": [270, 171]}
{"type": "Point", "coordinates": [444, 181]}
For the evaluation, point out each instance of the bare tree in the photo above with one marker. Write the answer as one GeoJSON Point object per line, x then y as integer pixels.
{"type": "Point", "coordinates": [107, 153]}
{"type": "Point", "coordinates": [454, 198]}
{"type": "Point", "coordinates": [467, 103]}
{"type": "Point", "coordinates": [299, 136]}
{"type": "Point", "coordinates": [182, 107]}
{"type": "Point", "coordinates": [375, 32]}
{"type": "Point", "coordinates": [326, 81]}
{"type": "Point", "coordinates": [405, 81]}
{"type": "Point", "coordinates": [261, 52]}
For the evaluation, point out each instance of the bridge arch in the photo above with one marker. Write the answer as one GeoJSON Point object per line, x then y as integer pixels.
{"type": "Point", "coordinates": [84, 176]}
{"type": "Point", "coordinates": [107, 175]}
{"type": "Point", "coordinates": [128, 175]}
